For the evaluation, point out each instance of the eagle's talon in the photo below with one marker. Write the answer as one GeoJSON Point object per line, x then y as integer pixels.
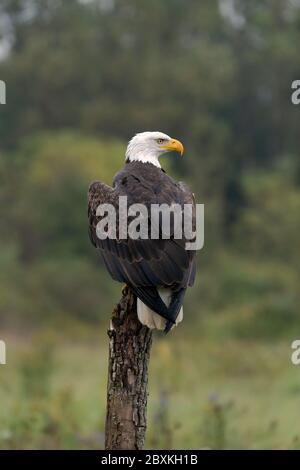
{"type": "Point", "coordinates": [125, 289]}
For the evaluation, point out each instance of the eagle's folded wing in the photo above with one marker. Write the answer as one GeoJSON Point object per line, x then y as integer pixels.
{"type": "Point", "coordinates": [158, 262]}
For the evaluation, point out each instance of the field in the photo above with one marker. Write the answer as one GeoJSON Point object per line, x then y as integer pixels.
{"type": "Point", "coordinates": [82, 78]}
{"type": "Point", "coordinates": [210, 392]}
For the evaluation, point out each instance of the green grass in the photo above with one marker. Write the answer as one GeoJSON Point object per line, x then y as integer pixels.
{"type": "Point", "coordinates": [206, 391]}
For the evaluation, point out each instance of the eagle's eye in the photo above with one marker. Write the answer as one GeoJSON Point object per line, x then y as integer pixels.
{"type": "Point", "coordinates": [160, 141]}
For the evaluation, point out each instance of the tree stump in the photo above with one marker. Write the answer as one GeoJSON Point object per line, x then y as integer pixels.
{"type": "Point", "coordinates": [129, 353]}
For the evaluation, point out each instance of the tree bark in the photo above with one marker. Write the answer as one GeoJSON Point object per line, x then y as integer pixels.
{"type": "Point", "coordinates": [129, 353]}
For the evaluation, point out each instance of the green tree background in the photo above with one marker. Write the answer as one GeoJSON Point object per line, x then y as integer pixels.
{"type": "Point", "coordinates": [82, 77]}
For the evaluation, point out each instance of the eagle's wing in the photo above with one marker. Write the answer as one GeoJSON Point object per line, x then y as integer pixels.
{"type": "Point", "coordinates": [143, 263]}
{"type": "Point", "coordinates": [189, 198]}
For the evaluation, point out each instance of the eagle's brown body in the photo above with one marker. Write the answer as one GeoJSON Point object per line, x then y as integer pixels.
{"type": "Point", "coordinates": [146, 265]}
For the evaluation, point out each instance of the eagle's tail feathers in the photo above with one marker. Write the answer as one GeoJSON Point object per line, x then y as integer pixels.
{"type": "Point", "coordinates": [149, 318]}
{"type": "Point", "coordinates": [149, 296]}
{"type": "Point", "coordinates": [173, 305]}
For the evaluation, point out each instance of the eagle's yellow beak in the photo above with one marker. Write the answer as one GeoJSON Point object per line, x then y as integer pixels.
{"type": "Point", "coordinates": [174, 144]}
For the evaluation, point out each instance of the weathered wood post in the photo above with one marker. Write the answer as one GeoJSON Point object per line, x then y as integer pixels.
{"type": "Point", "coordinates": [127, 388]}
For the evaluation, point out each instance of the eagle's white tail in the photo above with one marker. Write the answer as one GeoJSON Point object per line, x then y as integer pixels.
{"type": "Point", "coordinates": [151, 319]}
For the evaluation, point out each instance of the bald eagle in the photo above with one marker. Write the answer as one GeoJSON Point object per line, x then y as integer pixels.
{"type": "Point", "coordinates": [158, 271]}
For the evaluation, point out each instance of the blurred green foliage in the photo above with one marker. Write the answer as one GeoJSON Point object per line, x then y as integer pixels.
{"type": "Point", "coordinates": [213, 392]}
{"type": "Point", "coordinates": [82, 78]}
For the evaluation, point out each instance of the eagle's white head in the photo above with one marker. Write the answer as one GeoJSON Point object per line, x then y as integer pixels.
{"type": "Point", "coordinates": [147, 147]}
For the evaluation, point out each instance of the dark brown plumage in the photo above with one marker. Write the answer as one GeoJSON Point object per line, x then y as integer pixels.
{"type": "Point", "coordinates": [145, 265]}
